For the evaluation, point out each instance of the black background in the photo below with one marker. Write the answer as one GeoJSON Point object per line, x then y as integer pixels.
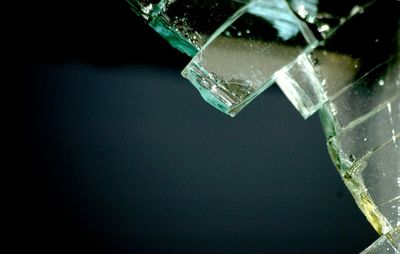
{"type": "Point", "coordinates": [119, 154]}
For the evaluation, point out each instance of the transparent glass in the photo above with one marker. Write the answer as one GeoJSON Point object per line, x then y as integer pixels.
{"type": "Point", "coordinates": [338, 58]}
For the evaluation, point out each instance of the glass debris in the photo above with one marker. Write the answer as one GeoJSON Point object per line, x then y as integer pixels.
{"type": "Point", "coordinates": [338, 58]}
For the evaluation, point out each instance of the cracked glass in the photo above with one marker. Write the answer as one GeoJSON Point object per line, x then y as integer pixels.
{"type": "Point", "coordinates": [339, 59]}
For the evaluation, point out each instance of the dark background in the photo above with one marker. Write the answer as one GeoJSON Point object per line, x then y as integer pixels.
{"type": "Point", "coordinates": [119, 154]}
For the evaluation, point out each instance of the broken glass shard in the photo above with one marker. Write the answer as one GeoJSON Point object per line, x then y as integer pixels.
{"type": "Point", "coordinates": [361, 118]}
{"type": "Point", "coordinates": [239, 61]}
{"type": "Point", "coordinates": [186, 24]}
{"type": "Point", "coordinates": [343, 60]}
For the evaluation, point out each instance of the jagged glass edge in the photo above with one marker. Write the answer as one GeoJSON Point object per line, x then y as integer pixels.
{"type": "Point", "coordinates": [329, 128]}
{"type": "Point", "coordinates": [386, 244]}
{"type": "Point", "coordinates": [212, 98]}
{"type": "Point", "coordinates": [206, 94]}
{"type": "Point", "coordinates": [175, 39]}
